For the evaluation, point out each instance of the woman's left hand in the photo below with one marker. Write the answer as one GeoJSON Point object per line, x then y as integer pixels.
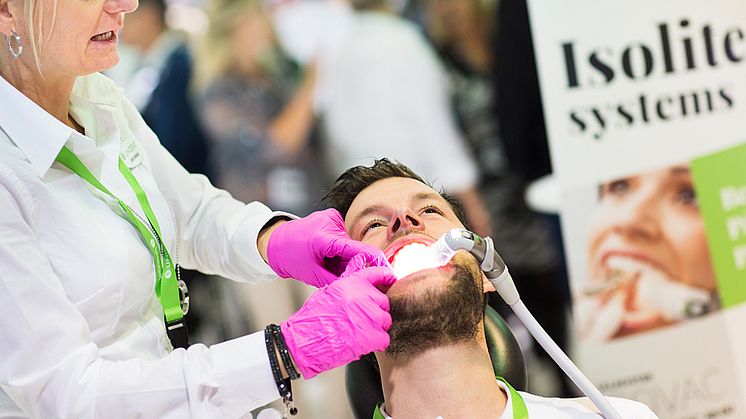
{"type": "Point", "coordinates": [316, 249]}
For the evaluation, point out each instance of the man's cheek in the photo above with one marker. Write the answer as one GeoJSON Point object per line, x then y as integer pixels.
{"type": "Point", "coordinates": [376, 240]}
{"type": "Point", "coordinates": [487, 285]}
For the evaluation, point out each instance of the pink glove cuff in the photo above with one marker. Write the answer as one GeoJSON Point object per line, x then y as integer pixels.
{"type": "Point", "coordinates": [340, 322]}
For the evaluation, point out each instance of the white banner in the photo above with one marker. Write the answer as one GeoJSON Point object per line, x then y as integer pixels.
{"type": "Point", "coordinates": [645, 107]}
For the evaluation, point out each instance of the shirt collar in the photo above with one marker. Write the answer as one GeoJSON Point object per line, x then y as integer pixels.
{"type": "Point", "coordinates": [39, 135]}
{"type": "Point", "coordinates": [507, 412]}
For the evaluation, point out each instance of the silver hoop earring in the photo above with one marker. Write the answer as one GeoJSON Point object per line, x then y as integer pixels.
{"type": "Point", "coordinates": [18, 49]}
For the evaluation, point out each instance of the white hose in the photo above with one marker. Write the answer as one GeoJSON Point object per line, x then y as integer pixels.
{"type": "Point", "coordinates": [559, 357]}
{"type": "Point", "coordinates": [460, 239]}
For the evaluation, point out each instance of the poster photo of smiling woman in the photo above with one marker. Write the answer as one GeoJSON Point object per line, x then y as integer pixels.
{"type": "Point", "coordinates": [648, 261]}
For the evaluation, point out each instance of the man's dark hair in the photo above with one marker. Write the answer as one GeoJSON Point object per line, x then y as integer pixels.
{"type": "Point", "coordinates": [350, 183]}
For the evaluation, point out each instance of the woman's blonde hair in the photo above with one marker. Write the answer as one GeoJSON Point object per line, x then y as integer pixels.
{"type": "Point", "coordinates": [215, 55]}
{"type": "Point", "coordinates": [34, 11]}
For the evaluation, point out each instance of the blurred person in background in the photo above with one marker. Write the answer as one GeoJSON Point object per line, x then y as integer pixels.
{"type": "Point", "coordinates": [460, 31]}
{"type": "Point", "coordinates": [389, 97]}
{"type": "Point", "coordinates": [159, 83]}
{"type": "Point", "coordinates": [257, 109]}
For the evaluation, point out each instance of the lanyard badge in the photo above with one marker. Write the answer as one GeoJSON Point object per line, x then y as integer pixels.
{"type": "Point", "coordinates": [172, 292]}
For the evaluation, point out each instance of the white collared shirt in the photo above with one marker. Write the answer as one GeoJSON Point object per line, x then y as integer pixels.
{"type": "Point", "coordinates": [81, 330]}
{"type": "Point", "coordinates": [556, 408]}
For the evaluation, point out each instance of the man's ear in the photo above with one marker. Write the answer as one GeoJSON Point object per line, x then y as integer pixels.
{"type": "Point", "coordinates": [488, 287]}
{"type": "Point", "coordinates": [7, 16]}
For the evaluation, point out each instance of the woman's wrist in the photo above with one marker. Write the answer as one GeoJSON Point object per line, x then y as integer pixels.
{"type": "Point", "coordinates": [262, 240]}
{"type": "Point", "coordinates": [282, 373]}
{"type": "Point", "coordinates": [283, 369]}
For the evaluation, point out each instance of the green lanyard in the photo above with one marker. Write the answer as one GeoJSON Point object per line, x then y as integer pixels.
{"type": "Point", "coordinates": [167, 286]}
{"type": "Point", "coordinates": [520, 411]}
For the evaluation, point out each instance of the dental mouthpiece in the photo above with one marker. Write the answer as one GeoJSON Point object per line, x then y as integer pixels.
{"type": "Point", "coordinates": [419, 256]}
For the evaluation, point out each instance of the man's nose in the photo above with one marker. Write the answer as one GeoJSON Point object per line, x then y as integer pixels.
{"type": "Point", "coordinates": [404, 220]}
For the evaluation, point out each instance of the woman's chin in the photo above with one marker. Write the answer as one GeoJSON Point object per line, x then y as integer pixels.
{"type": "Point", "coordinates": [640, 321]}
{"type": "Point", "coordinates": [100, 59]}
{"type": "Point", "coordinates": [107, 64]}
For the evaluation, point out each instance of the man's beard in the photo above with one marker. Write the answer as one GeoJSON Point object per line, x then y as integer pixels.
{"type": "Point", "coordinates": [439, 316]}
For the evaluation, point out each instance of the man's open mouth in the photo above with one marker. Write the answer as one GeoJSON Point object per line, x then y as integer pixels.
{"type": "Point", "coordinates": [393, 249]}
{"type": "Point", "coordinates": [411, 254]}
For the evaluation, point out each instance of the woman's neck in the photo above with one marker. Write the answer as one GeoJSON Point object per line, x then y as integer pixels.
{"type": "Point", "coordinates": [51, 94]}
{"type": "Point", "coordinates": [450, 381]}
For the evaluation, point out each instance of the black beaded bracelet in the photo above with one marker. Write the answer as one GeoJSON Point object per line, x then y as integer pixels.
{"type": "Point", "coordinates": [283, 384]}
{"type": "Point", "coordinates": [284, 352]}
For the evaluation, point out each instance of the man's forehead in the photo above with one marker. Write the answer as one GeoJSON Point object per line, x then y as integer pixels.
{"type": "Point", "coordinates": [390, 192]}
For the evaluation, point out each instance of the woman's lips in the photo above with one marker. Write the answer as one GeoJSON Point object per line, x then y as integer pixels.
{"type": "Point", "coordinates": [107, 36]}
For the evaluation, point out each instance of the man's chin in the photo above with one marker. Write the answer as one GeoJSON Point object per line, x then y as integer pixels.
{"type": "Point", "coordinates": [434, 308]}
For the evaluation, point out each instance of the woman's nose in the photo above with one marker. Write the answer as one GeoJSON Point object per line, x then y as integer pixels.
{"type": "Point", "coordinates": [639, 217]}
{"type": "Point", "coordinates": [120, 6]}
{"type": "Point", "coordinates": [404, 220]}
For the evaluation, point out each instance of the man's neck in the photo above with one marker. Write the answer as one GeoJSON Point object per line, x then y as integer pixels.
{"type": "Point", "coordinates": [450, 381]}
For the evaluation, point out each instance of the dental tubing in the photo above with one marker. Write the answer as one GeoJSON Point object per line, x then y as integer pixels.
{"type": "Point", "coordinates": [497, 273]}
{"type": "Point", "coordinates": [564, 362]}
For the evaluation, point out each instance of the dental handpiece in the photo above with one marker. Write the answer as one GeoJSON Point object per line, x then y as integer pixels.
{"type": "Point", "coordinates": [491, 263]}
{"type": "Point", "coordinates": [497, 273]}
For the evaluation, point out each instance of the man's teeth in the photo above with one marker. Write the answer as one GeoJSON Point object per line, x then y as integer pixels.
{"type": "Point", "coordinates": [412, 258]}
{"type": "Point", "coordinates": [104, 36]}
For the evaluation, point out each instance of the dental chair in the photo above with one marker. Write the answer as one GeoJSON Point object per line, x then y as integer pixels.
{"type": "Point", "coordinates": [363, 381]}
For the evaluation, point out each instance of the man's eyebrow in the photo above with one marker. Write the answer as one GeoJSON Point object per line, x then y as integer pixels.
{"type": "Point", "coordinates": [422, 196]}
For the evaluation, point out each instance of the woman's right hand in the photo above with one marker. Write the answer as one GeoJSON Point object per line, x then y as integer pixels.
{"type": "Point", "coordinates": [315, 249]}
{"type": "Point", "coordinates": [341, 322]}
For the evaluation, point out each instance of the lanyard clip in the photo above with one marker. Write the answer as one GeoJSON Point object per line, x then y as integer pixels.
{"type": "Point", "coordinates": [177, 333]}
{"type": "Point", "coordinates": [183, 297]}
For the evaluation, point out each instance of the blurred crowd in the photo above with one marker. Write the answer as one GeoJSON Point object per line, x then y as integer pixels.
{"type": "Point", "coordinates": [273, 99]}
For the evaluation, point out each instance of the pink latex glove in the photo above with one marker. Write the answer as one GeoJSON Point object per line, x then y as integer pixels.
{"type": "Point", "coordinates": [316, 249]}
{"type": "Point", "coordinates": [341, 322]}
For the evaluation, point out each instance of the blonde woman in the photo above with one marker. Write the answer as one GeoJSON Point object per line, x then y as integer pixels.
{"type": "Point", "coordinates": [257, 113]}
{"type": "Point", "coordinates": [96, 217]}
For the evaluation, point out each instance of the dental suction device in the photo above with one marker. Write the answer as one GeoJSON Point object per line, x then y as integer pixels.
{"type": "Point", "coordinates": [497, 273]}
